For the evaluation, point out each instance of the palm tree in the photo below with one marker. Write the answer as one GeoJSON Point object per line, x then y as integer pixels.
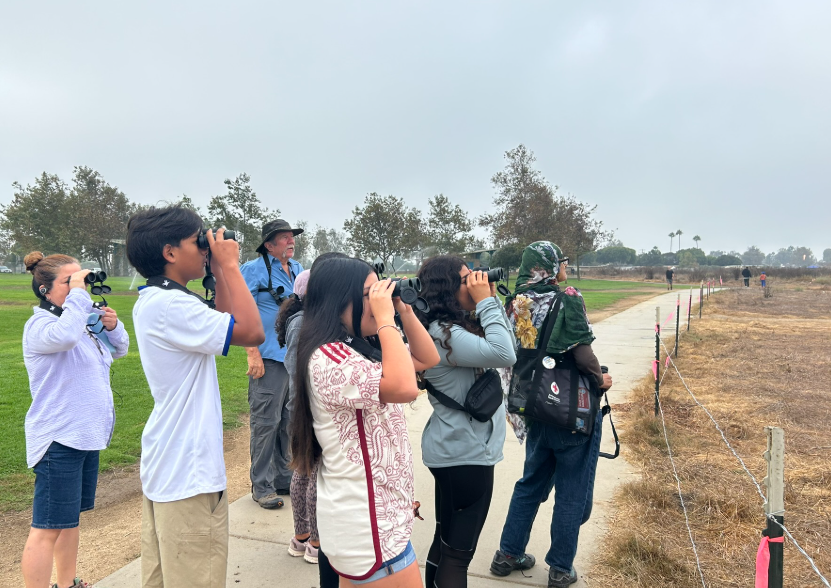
{"type": "Point", "coordinates": [671, 237]}
{"type": "Point", "coordinates": [697, 239]}
{"type": "Point", "coordinates": [678, 234]}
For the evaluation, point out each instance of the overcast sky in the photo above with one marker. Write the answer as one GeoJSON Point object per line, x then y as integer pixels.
{"type": "Point", "coordinates": [707, 116]}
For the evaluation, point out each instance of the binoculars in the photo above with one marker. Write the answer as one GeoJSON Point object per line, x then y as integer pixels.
{"type": "Point", "coordinates": [496, 274]}
{"type": "Point", "coordinates": [93, 277]}
{"type": "Point", "coordinates": [408, 289]}
{"type": "Point", "coordinates": [96, 280]}
{"type": "Point", "coordinates": [202, 239]}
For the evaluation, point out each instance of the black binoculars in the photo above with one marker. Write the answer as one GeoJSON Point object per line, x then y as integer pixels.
{"type": "Point", "coordinates": [379, 268]}
{"type": "Point", "coordinates": [93, 277]}
{"type": "Point", "coordinates": [96, 280]}
{"type": "Point", "coordinates": [202, 239]}
{"type": "Point", "coordinates": [496, 274]}
{"type": "Point", "coordinates": [408, 289]}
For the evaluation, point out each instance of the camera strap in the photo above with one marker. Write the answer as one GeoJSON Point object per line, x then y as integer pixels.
{"type": "Point", "coordinates": [168, 284]}
{"type": "Point", "coordinates": [49, 307]}
{"type": "Point", "coordinates": [363, 347]}
{"type": "Point", "coordinates": [278, 298]}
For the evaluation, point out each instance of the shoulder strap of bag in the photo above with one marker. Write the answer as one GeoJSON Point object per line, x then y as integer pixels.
{"type": "Point", "coordinates": [278, 296]}
{"type": "Point", "coordinates": [442, 397]}
{"type": "Point", "coordinates": [545, 333]}
{"type": "Point", "coordinates": [363, 347]}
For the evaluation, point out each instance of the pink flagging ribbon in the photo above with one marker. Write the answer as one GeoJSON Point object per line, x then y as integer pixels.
{"type": "Point", "coordinates": [720, 281]}
{"type": "Point", "coordinates": [669, 317]}
{"type": "Point", "coordinates": [666, 363]}
{"type": "Point", "coordinates": [763, 560]}
{"type": "Point", "coordinates": [655, 368]}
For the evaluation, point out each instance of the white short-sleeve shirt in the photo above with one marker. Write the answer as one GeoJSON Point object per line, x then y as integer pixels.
{"type": "Point", "coordinates": [181, 446]}
{"type": "Point", "coordinates": [365, 481]}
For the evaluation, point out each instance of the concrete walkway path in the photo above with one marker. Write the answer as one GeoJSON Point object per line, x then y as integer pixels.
{"type": "Point", "coordinates": [259, 540]}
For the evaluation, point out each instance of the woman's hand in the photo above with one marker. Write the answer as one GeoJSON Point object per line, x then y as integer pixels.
{"type": "Point", "coordinates": [402, 307]}
{"type": "Point", "coordinates": [478, 286]}
{"type": "Point", "coordinates": [380, 302]}
{"type": "Point", "coordinates": [110, 319]}
{"type": "Point", "coordinates": [76, 280]}
{"type": "Point", "coordinates": [607, 382]}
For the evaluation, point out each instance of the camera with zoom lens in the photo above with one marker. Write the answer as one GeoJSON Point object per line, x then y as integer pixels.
{"type": "Point", "coordinates": [202, 239]}
{"type": "Point", "coordinates": [496, 274]}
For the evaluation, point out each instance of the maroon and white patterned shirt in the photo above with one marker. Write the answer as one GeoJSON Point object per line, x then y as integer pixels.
{"type": "Point", "coordinates": [365, 483]}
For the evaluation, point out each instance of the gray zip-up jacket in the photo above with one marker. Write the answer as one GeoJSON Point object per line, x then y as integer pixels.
{"type": "Point", "coordinates": [452, 437]}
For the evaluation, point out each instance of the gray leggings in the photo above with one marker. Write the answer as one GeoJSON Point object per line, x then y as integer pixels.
{"type": "Point", "coordinates": [304, 503]}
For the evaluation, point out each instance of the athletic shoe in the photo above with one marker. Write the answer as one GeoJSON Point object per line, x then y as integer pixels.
{"type": "Point", "coordinates": [558, 579]}
{"type": "Point", "coordinates": [76, 583]}
{"type": "Point", "coordinates": [502, 564]}
{"type": "Point", "coordinates": [298, 548]}
{"type": "Point", "coordinates": [311, 553]}
{"type": "Point", "coordinates": [269, 501]}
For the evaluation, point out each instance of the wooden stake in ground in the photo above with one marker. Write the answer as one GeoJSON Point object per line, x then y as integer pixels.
{"type": "Point", "coordinates": [774, 484]}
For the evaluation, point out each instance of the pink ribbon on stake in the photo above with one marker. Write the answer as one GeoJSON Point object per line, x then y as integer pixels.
{"type": "Point", "coordinates": [655, 368]}
{"type": "Point", "coordinates": [666, 363]}
{"type": "Point", "coordinates": [669, 316]}
{"type": "Point", "coordinates": [763, 560]}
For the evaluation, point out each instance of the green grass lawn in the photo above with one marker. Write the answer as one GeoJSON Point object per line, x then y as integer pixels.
{"type": "Point", "coordinates": [133, 401]}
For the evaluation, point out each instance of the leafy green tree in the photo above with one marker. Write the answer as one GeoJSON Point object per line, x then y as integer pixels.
{"type": "Point", "coordinates": [651, 257]}
{"type": "Point", "coordinates": [678, 234]}
{"type": "Point", "coordinates": [617, 255]}
{"type": "Point", "coordinates": [696, 239]}
{"type": "Point", "coordinates": [669, 259]}
{"type": "Point", "coordinates": [508, 257]}
{"type": "Point", "coordinates": [240, 209]}
{"type": "Point", "coordinates": [753, 256]}
{"type": "Point", "coordinates": [449, 227]}
{"type": "Point", "coordinates": [39, 217]}
{"type": "Point", "coordinates": [99, 216]}
{"type": "Point", "coordinates": [303, 248]}
{"type": "Point", "coordinates": [826, 255]}
{"type": "Point", "coordinates": [327, 240]}
{"type": "Point", "coordinates": [691, 256]}
{"type": "Point", "coordinates": [383, 228]}
{"type": "Point", "coordinates": [728, 259]}
{"type": "Point", "coordinates": [671, 240]}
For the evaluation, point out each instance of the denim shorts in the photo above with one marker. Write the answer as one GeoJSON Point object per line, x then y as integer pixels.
{"type": "Point", "coordinates": [396, 564]}
{"type": "Point", "coordinates": [65, 480]}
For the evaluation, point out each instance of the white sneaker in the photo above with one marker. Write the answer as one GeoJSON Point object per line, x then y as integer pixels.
{"type": "Point", "coordinates": [297, 548]}
{"type": "Point", "coordinates": [311, 553]}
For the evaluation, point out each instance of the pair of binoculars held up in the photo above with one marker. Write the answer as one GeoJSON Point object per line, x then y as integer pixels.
{"type": "Point", "coordinates": [496, 274]}
{"type": "Point", "coordinates": [96, 280]}
{"type": "Point", "coordinates": [202, 239]}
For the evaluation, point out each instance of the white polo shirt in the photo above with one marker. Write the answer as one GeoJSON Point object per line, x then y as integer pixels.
{"type": "Point", "coordinates": [365, 481]}
{"type": "Point", "coordinates": [181, 446]}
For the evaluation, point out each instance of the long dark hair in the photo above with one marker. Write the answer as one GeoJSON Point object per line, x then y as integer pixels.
{"type": "Point", "coordinates": [440, 281]}
{"type": "Point", "coordinates": [333, 286]}
{"type": "Point", "coordinates": [294, 304]}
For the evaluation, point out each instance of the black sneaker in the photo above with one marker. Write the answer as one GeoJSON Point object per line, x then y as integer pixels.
{"type": "Point", "coordinates": [502, 564]}
{"type": "Point", "coordinates": [558, 579]}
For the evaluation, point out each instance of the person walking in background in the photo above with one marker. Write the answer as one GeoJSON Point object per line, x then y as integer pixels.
{"type": "Point", "coordinates": [349, 413]}
{"type": "Point", "coordinates": [554, 458]}
{"type": "Point", "coordinates": [460, 451]}
{"type": "Point", "coordinates": [72, 416]}
{"type": "Point", "coordinates": [746, 275]}
{"type": "Point", "coordinates": [270, 279]}
{"type": "Point", "coordinates": [670, 277]}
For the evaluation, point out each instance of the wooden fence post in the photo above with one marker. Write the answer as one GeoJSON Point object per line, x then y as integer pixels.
{"type": "Point", "coordinates": [774, 484]}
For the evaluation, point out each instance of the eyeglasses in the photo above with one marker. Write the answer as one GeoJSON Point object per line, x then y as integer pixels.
{"type": "Point", "coordinates": [564, 260]}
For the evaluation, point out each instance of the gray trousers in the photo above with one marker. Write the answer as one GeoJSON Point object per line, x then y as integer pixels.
{"type": "Point", "coordinates": [268, 398]}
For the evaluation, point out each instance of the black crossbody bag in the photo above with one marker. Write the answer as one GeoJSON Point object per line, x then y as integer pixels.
{"type": "Point", "coordinates": [482, 400]}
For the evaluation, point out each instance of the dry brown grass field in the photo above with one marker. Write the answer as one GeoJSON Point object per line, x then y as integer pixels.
{"type": "Point", "coordinates": [752, 361]}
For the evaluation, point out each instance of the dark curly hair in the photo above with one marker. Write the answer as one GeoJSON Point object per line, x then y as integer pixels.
{"type": "Point", "coordinates": [440, 281]}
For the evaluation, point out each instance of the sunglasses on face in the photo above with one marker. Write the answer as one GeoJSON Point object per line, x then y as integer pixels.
{"type": "Point", "coordinates": [564, 260]}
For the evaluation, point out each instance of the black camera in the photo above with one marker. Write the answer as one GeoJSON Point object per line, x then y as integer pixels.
{"type": "Point", "coordinates": [496, 274]}
{"type": "Point", "coordinates": [202, 239]}
{"type": "Point", "coordinates": [408, 289]}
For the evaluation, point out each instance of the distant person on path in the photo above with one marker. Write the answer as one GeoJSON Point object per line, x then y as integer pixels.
{"type": "Point", "coordinates": [746, 275]}
{"type": "Point", "coordinates": [184, 520]}
{"type": "Point", "coordinates": [270, 279]}
{"type": "Point", "coordinates": [670, 277]}
{"type": "Point", "coordinates": [349, 413]}
{"type": "Point", "coordinates": [460, 451]}
{"type": "Point", "coordinates": [763, 279]}
{"type": "Point", "coordinates": [554, 458]}
{"type": "Point", "coordinates": [72, 415]}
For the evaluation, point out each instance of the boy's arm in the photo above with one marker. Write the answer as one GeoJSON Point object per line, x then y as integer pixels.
{"type": "Point", "coordinates": [232, 293]}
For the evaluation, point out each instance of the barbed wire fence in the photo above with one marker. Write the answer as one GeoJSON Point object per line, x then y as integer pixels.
{"type": "Point", "coordinates": [774, 517]}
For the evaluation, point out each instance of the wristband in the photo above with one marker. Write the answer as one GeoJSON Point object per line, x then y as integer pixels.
{"type": "Point", "coordinates": [378, 332]}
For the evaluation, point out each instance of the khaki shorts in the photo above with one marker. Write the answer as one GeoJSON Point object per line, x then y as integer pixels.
{"type": "Point", "coordinates": [185, 542]}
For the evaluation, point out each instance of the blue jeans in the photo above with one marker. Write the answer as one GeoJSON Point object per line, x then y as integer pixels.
{"type": "Point", "coordinates": [65, 481]}
{"type": "Point", "coordinates": [559, 459]}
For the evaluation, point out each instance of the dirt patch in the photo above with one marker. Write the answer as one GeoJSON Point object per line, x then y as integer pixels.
{"type": "Point", "coordinates": [752, 361]}
{"type": "Point", "coordinates": [111, 533]}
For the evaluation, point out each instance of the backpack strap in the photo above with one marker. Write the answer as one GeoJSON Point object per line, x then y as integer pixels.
{"type": "Point", "coordinates": [545, 333]}
{"type": "Point", "coordinates": [276, 294]}
{"type": "Point", "coordinates": [442, 397]}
